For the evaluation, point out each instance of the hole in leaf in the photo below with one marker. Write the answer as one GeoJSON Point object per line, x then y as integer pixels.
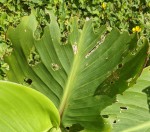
{"type": "Point", "coordinates": [38, 32]}
{"type": "Point", "coordinates": [123, 108]}
{"type": "Point", "coordinates": [76, 128]}
{"type": "Point", "coordinates": [67, 128]}
{"type": "Point", "coordinates": [120, 65]}
{"type": "Point", "coordinates": [75, 48]}
{"type": "Point", "coordinates": [102, 39]}
{"type": "Point", "coordinates": [28, 81]}
{"type": "Point", "coordinates": [64, 37]}
{"type": "Point", "coordinates": [105, 116]}
{"type": "Point", "coordinates": [112, 82]}
{"type": "Point", "coordinates": [55, 67]}
{"type": "Point", "coordinates": [114, 121]}
{"type": "Point", "coordinates": [47, 17]}
{"type": "Point", "coordinates": [34, 57]}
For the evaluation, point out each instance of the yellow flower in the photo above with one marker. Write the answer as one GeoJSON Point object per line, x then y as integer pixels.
{"type": "Point", "coordinates": [133, 30]}
{"type": "Point", "coordinates": [103, 5]}
{"type": "Point", "coordinates": [136, 29]}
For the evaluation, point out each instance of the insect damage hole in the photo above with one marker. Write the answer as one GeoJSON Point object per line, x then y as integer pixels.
{"type": "Point", "coordinates": [105, 116]}
{"type": "Point", "coordinates": [87, 18]}
{"type": "Point", "coordinates": [120, 65]}
{"type": "Point", "coordinates": [34, 57]}
{"type": "Point", "coordinates": [75, 48]}
{"type": "Point", "coordinates": [102, 39]}
{"type": "Point", "coordinates": [55, 67]}
{"type": "Point", "coordinates": [38, 33]}
{"type": "Point", "coordinates": [28, 81]}
{"type": "Point", "coordinates": [114, 121]}
{"type": "Point", "coordinates": [67, 128]}
{"type": "Point", "coordinates": [123, 108]}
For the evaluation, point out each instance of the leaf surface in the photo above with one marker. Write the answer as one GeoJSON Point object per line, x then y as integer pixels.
{"type": "Point", "coordinates": [81, 77]}
{"type": "Point", "coordinates": [26, 110]}
{"type": "Point", "coordinates": [131, 112]}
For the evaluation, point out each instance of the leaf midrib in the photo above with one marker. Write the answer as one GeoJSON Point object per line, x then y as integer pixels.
{"type": "Point", "coordinates": [69, 84]}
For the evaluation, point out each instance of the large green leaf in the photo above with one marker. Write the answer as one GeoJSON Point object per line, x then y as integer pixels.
{"type": "Point", "coordinates": [23, 109]}
{"type": "Point", "coordinates": [81, 77]}
{"type": "Point", "coordinates": [130, 113]}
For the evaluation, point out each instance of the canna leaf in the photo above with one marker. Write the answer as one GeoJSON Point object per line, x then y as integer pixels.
{"type": "Point", "coordinates": [26, 110]}
{"type": "Point", "coordinates": [81, 77]}
{"type": "Point", "coordinates": [131, 112]}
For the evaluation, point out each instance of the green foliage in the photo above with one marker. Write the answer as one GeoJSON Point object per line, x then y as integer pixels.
{"type": "Point", "coordinates": [124, 14]}
{"type": "Point", "coordinates": [82, 75]}
{"type": "Point", "coordinates": [49, 72]}
{"type": "Point", "coordinates": [130, 112]}
{"type": "Point", "coordinates": [26, 110]}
